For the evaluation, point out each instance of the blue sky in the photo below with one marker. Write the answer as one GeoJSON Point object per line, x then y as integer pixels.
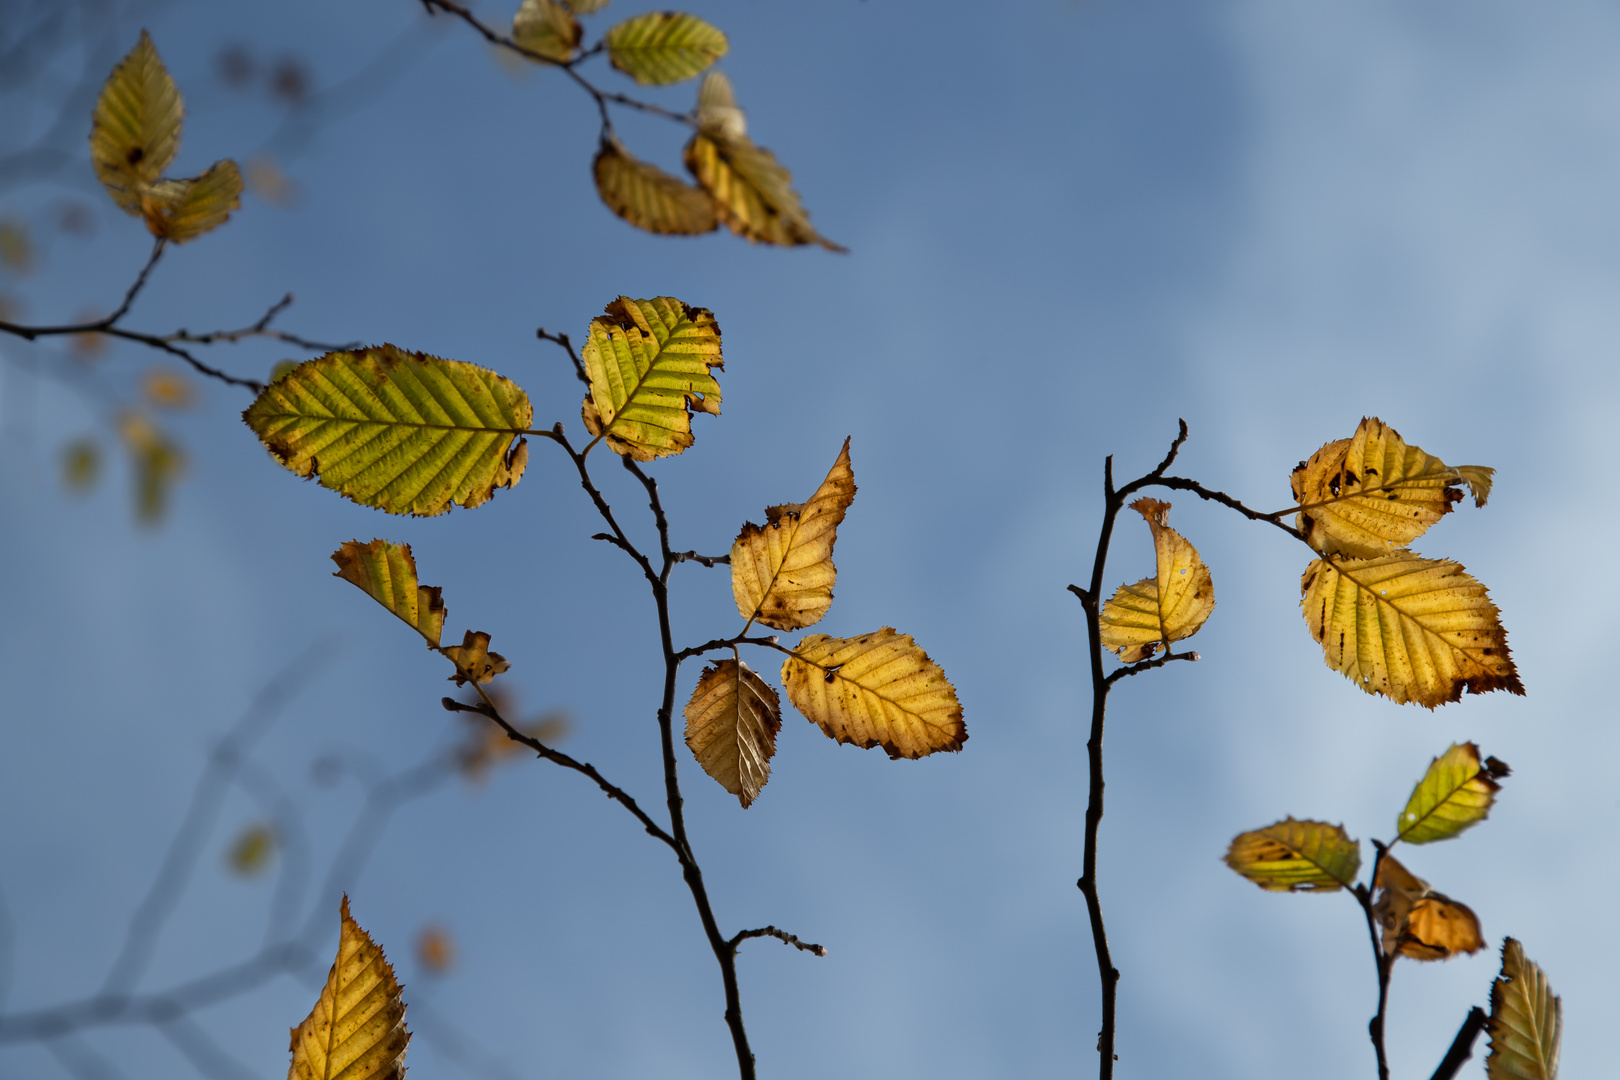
{"type": "Point", "coordinates": [1070, 224]}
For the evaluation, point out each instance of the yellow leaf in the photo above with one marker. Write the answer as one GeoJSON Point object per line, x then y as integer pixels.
{"type": "Point", "coordinates": [1406, 627]}
{"type": "Point", "coordinates": [181, 210]}
{"type": "Point", "coordinates": [1295, 856]}
{"type": "Point", "coordinates": [1527, 1020]}
{"type": "Point", "coordinates": [251, 851]}
{"type": "Point", "coordinates": [753, 192]}
{"type": "Point", "coordinates": [1370, 494]}
{"type": "Point", "coordinates": [136, 127]}
{"type": "Point", "coordinates": [782, 575]}
{"type": "Point", "coordinates": [663, 47]}
{"type": "Point", "coordinates": [404, 432]}
{"type": "Point", "coordinates": [1162, 609]}
{"type": "Point", "coordinates": [356, 1030]}
{"type": "Point", "coordinates": [1455, 794]}
{"type": "Point", "coordinates": [1417, 921]}
{"type": "Point", "coordinates": [878, 689]}
{"type": "Point", "coordinates": [648, 197]}
{"type": "Point", "coordinates": [166, 389]}
{"type": "Point", "coordinates": [731, 726]}
{"type": "Point", "coordinates": [717, 112]}
{"type": "Point", "coordinates": [386, 572]}
{"type": "Point", "coordinates": [474, 662]}
{"type": "Point", "coordinates": [648, 363]}
{"type": "Point", "coordinates": [548, 28]}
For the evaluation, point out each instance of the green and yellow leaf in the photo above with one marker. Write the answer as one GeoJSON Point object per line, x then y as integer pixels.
{"type": "Point", "coordinates": [650, 198]}
{"type": "Point", "coordinates": [1296, 856]}
{"type": "Point", "coordinates": [1166, 608]}
{"type": "Point", "coordinates": [753, 192]}
{"type": "Point", "coordinates": [782, 575]}
{"type": "Point", "coordinates": [474, 662]}
{"type": "Point", "coordinates": [717, 113]}
{"type": "Point", "coordinates": [878, 689]}
{"type": "Point", "coordinates": [1409, 628]}
{"type": "Point", "coordinates": [1526, 1023]}
{"type": "Point", "coordinates": [548, 29]}
{"type": "Point", "coordinates": [1418, 922]}
{"type": "Point", "coordinates": [386, 572]}
{"type": "Point", "coordinates": [356, 1030]}
{"type": "Point", "coordinates": [1455, 794]}
{"type": "Point", "coordinates": [648, 362]}
{"type": "Point", "coordinates": [663, 47]}
{"type": "Point", "coordinates": [135, 130]}
{"type": "Point", "coordinates": [1370, 494]}
{"type": "Point", "coordinates": [403, 432]}
{"type": "Point", "coordinates": [181, 210]}
{"type": "Point", "coordinates": [731, 725]}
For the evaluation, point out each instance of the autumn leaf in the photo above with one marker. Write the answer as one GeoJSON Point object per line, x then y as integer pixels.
{"type": "Point", "coordinates": [782, 574]}
{"type": "Point", "coordinates": [1417, 921]}
{"type": "Point", "coordinates": [356, 1030]}
{"type": "Point", "coordinates": [877, 689]}
{"type": "Point", "coordinates": [1370, 494]}
{"type": "Point", "coordinates": [1455, 794]}
{"type": "Point", "coordinates": [474, 662]}
{"type": "Point", "coordinates": [250, 852]}
{"type": "Point", "coordinates": [404, 432]}
{"type": "Point", "coordinates": [1406, 627]}
{"type": "Point", "coordinates": [1527, 1020]}
{"type": "Point", "coordinates": [585, 7]}
{"type": "Point", "coordinates": [731, 725]}
{"type": "Point", "coordinates": [663, 47]}
{"type": "Point", "coordinates": [386, 572]}
{"type": "Point", "coordinates": [717, 112]}
{"type": "Point", "coordinates": [648, 197]}
{"type": "Point", "coordinates": [435, 950]}
{"type": "Point", "coordinates": [1296, 856]}
{"type": "Point", "coordinates": [181, 210]}
{"type": "Point", "coordinates": [547, 28]}
{"type": "Point", "coordinates": [135, 130]}
{"type": "Point", "coordinates": [1168, 607]}
{"type": "Point", "coordinates": [648, 362]}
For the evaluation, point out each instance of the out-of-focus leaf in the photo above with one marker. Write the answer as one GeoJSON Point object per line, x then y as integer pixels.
{"type": "Point", "coordinates": [1455, 794]}
{"type": "Point", "coordinates": [435, 950]}
{"type": "Point", "coordinates": [782, 574]}
{"type": "Point", "coordinates": [282, 368]}
{"type": "Point", "coordinates": [731, 725]}
{"type": "Point", "coordinates": [16, 246]}
{"type": "Point", "coordinates": [585, 7]}
{"type": "Point", "coordinates": [1417, 921]}
{"type": "Point", "coordinates": [1406, 627]}
{"type": "Point", "coordinates": [753, 192]}
{"type": "Point", "coordinates": [167, 389]}
{"type": "Point", "coordinates": [487, 745]}
{"type": "Point", "coordinates": [266, 180]}
{"type": "Point", "coordinates": [404, 432]}
{"type": "Point", "coordinates": [136, 127]}
{"type": "Point", "coordinates": [386, 572]}
{"type": "Point", "coordinates": [250, 852]}
{"type": "Point", "coordinates": [648, 197]}
{"type": "Point", "coordinates": [182, 210]}
{"type": "Point", "coordinates": [548, 28]}
{"type": "Point", "coordinates": [356, 1031]}
{"type": "Point", "coordinates": [717, 113]}
{"type": "Point", "coordinates": [474, 662]}
{"type": "Point", "coordinates": [1296, 856]}
{"type": "Point", "coordinates": [878, 689]}
{"type": "Point", "coordinates": [81, 465]}
{"type": "Point", "coordinates": [648, 363]}
{"type": "Point", "coordinates": [1527, 1020]}
{"type": "Point", "coordinates": [662, 47]}
{"type": "Point", "coordinates": [157, 463]}
{"type": "Point", "coordinates": [1166, 608]}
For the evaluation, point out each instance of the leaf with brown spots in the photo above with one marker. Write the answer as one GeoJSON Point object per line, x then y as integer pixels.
{"type": "Point", "coordinates": [648, 363]}
{"type": "Point", "coordinates": [1296, 856]}
{"type": "Point", "coordinates": [135, 130]}
{"type": "Point", "coordinates": [357, 1028]}
{"type": "Point", "coordinates": [181, 210]}
{"type": "Point", "coordinates": [878, 689]}
{"type": "Point", "coordinates": [648, 197]}
{"type": "Point", "coordinates": [731, 725]}
{"type": "Point", "coordinates": [474, 662]}
{"type": "Point", "coordinates": [1455, 794]}
{"type": "Point", "coordinates": [1171, 606]}
{"type": "Point", "coordinates": [1527, 1020]}
{"type": "Point", "coordinates": [386, 572]}
{"type": "Point", "coordinates": [1418, 922]}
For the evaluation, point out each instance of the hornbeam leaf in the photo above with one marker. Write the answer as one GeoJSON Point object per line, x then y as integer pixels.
{"type": "Point", "coordinates": [1455, 794]}
{"type": "Point", "coordinates": [548, 28]}
{"type": "Point", "coordinates": [1370, 494]}
{"type": "Point", "coordinates": [878, 689]}
{"type": "Point", "coordinates": [1162, 609]}
{"type": "Point", "coordinates": [1419, 922]}
{"type": "Point", "coordinates": [731, 726]}
{"type": "Point", "coordinates": [648, 197]}
{"type": "Point", "coordinates": [1406, 627]}
{"type": "Point", "coordinates": [386, 572]}
{"type": "Point", "coordinates": [717, 112]}
{"type": "Point", "coordinates": [404, 432]}
{"type": "Point", "coordinates": [1295, 856]}
{"type": "Point", "coordinates": [474, 662]}
{"type": "Point", "coordinates": [1526, 1023]}
{"type": "Point", "coordinates": [136, 126]}
{"type": "Point", "coordinates": [753, 191]}
{"type": "Point", "coordinates": [663, 47]}
{"type": "Point", "coordinates": [181, 210]}
{"type": "Point", "coordinates": [357, 1028]}
{"type": "Point", "coordinates": [648, 362]}
{"type": "Point", "coordinates": [782, 574]}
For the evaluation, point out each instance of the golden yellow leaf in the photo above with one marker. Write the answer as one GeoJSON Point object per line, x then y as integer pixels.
{"type": "Point", "coordinates": [136, 126]}
{"type": "Point", "coordinates": [474, 662]}
{"type": "Point", "coordinates": [648, 197]}
{"type": "Point", "coordinates": [662, 47]}
{"type": "Point", "coordinates": [752, 191]}
{"type": "Point", "coordinates": [1455, 794]}
{"type": "Point", "coordinates": [648, 362]}
{"type": "Point", "coordinates": [1296, 856]}
{"type": "Point", "coordinates": [782, 574]}
{"type": "Point", "coordinates": [1406, 627]}
{"type": "Point", "coordinates": [878, 689]}
{"type": "Point", "coordinates": [250, 852]}
{"type": "Point", "coordinates": [356, 1030]}
{"type": "Point", "coordinates": [1162, 609]}
{"type": "Point", "coordinates": [1371, 494]}
{"type": "Point", "coordinates": [1527, 1020]}
{"type": "Point", "coordinates": [548, 28]}
{"type": "Point", "coordinates": [181, 210]}
{"type": "Point", "coordinates": [731, 725]}
{"type": "Point", "coordinates": [386, 572]}
{"type": "Point", "coordinates": [1417, 921]}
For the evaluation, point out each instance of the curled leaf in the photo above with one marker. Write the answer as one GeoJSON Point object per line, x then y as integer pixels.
{"type": "Point", "coordinates": [474, 662]}
{"type": "Point", "coordinates": [717, 111]}
{"type": "Point", "coordinates": [648, 197]}
{"type": "Point", "coordinates": [1166, 608]}
{"type": "Point", "coordinates": [135, 130]}
{"type": "Point", "coordinates": [356, 1030]}
{"type": "Point", "coordinates": [1455, 794]}
{"type": "Point", "coordinates": [731, 725]}
{"type": "Point", "coordinates": [1296, 856]}
{"type": "Point", "coordinates": [782, 574]}
{"type": "Point", "coordinates": [662, 47]}
{"type": "Point", "coordinates": [386, 572]}
{"type": "Point", "coordinates": [1417, 921]}
{"type": "Point", "coordinates": [648, 362]}
{"type": "Point", "coordinates": [1527, 1020]}
{"type": "Point", "coordinates": [181, 210]}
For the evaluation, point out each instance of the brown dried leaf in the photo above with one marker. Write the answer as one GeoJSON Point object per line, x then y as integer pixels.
{"type": "Point", "coordinates": [474, 662]}
{"type": "Point", "coordinates": [731, 725]}
{"type": "Point", "coordinates": [1419, 922]}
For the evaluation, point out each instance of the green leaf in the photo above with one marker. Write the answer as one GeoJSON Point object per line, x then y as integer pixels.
{"type": "Point", "coordinates": [404, 432]}
{"type": "Point", "coordinates": [648, 362]}
{"type": "Point", "coordinates": [386, 572]}
{"type": "Point", "coordinates": [135, 131]}
{"type": "Point", "coordinates": [663, 47]}
{"type": "Point", "coordinates": [1455, 794]}
{"type": "Point", "coordinates": [547, 28]}
{"type": "Point", "coordinates": [648, 197]}
{"type": "Point", "coordinates": [1526, 1020]}
{"type": "Point", "coordinates": [1292, 856]}
{"type": "Point", "coordinates": [181, 210]}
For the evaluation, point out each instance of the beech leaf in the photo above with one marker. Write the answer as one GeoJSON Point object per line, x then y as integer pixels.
{"type": "Point", "coordinates": [648, 362]}
{"type": "Point", "coordinates": [1455, 794]}
{"type": "Point", "coordinates": [548, 28]}
{"type": "Point", "coordinates": [753, 192]}
{"type": "Point", "coordinates": [1166, 608]}
{"type": "Point", "coordinates": [135, 130]}
{"type": "Point", "coordinates": [1296, 856]}
{"type": "Point", "coordinates": [357, 1028]}
{"type": "Point", "coordinates": [731, 725]}
{"type": "Point", "coordinates": [717, 111]}
{"type": "Point", "coordinates": [181, 210]}
{"type": "Point", "coordinates": [878, 689]}
{"type": "Point", "coordinates": [1527, 1020]}
{"type": "Point", "coordinates": [782, 574]}
{"type": "Point", "coordinates": [386, 572]}
{"type": "Point", "coordinates": [474, 662]}
{"type": "Point", "coordinates": [1417, 921]}
{"type": "Point", "coordinates": [648, 197]}
{"type": "Point", "coordinates": [663, 47]}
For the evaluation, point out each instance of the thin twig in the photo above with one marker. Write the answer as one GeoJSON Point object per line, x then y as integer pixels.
{"type": "Point", "coordinates": [717, 644]}
{"type": "Point", "coordinates": [1384, 962]}
{"type": "Point", "coordinates": [711, 561]}
{"type": "Point", "coordinates": [1149, 665]}
{"type": "Point", "coordinates": [781, 935]}
{"type": "Point", "coordinates": [562, 339]}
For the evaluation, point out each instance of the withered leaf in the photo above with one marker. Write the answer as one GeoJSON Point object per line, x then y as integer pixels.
{"type": "Point", "coordinates": [782, 574]}
{"type": "Point", "coordinates": [386, 572]}
{"type": "Point", "coordinates": [731, 725]}
{"type": "Point", "coordinates": [1165, 608]}
{"type": "Point", "coordinates": [1418, 922]}
{"type": "Point", "coordinates": [1527, 1020]}
{"type": "Point", "coordinates": [474, 662]}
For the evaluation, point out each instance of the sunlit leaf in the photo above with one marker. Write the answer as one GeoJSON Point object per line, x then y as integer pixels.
{"type": "Point", "coordinates": [782, 574]}
{"type": "Point", "coordinates": [717, 112]}
{"type": "Point", "coordinates": [663, 47]}
{"type": "Point", "coordinates": [1165, 608]}
{"type": "Point", "coordinates": [648, 363]}
{"type": "Point", "coordinates": [356, 1031]}
{"type": "Point", "coordinates": [167, 389]}
{"type": "Point", "coordinates": [404, 432]}
{"type": "Point", "coordinates": [136, 127]}
{"type": "Point", "coordinates": [250, 852]}
{"type": "Point", "coordinates": [81, 465]}
{"type": "Point", "coordinates": [1296, 856]}
{"type": "Point", "coordinates": [1418, 922]}
{"type": "Point", "coordinates": [1455, 794]}
{"type": "Point", "coordinates": [1527, 1020]}
{"type": "Point", "coordinates": [878, 689]}
{"type": "Point", "coordinates": [474, 662]}
{"type": "Point", "coordinates": [650, 198]}
{"type": "Point", "coordinates": [386, 572]}
{"type": "Point", "coordinates": [753, 192]}
{"type": "Point", "coordinates": [435, 950]}
{"type": "Point", "coordinates": [1371, 494]}
{"type": "Point", "coordinates": [548, 28]}
{"type": "Point", "coordinates": [1409, 628]}
{"type": "Point", "coordinates": [731, 725]}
